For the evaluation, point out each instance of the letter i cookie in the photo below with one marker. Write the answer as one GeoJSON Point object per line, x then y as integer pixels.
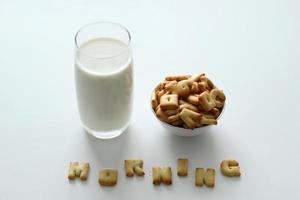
{"type": "Point", "coordinates": [182, 167]}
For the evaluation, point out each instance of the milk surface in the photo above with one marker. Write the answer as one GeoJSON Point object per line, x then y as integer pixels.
{"type": "Point", "coordinates": [104, 84]}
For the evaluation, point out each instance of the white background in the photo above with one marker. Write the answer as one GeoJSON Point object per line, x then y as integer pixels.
{"type": "Point", "coordinates": [248, 48]}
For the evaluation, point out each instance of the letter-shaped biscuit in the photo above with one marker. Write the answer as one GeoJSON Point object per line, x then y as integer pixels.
{"type": "Point", "coordinates": [159, 94]}
{"type": "Point", "coordinates": [174, 118]}
{"type": "Point", "coordinates": [77, 169]}
{"type": "Point", "coordinates": [154, 101]}
{"type": "Point", "coordinates": [196, 77]}
{"type": "Point", "coordinates": [201, 87]}
{"type": "Point", "coordinates": [182, 167]}
{"type": "Point", "coordinates": [212, 114]}
{"type": "Point", "coordinates": [134, 167]}
{"type": "Point", "coordinates": [206, 102]}
{"type": "Point", "coordinates": [183, 88]}
{"type": "Point", "coordinates": [108, 177]}
{"type": "Point", "coordinates": [215, 112]}
{"type": "Point", "coordinates": [199, 177]}
{"type": "Point", "coordinates": [171, 112]}
{"type": "Point", "coordinates": [177, 78]}
{"type": "Point", "coordinates": [218, 96]}
{"type": "Point", "coordinates": [184, 104]}
{"type": "Point", "coordinates": [169, 102]}
{"type": "Point", "coordinates": [208, 119]}
{"type": "Point", "coordinates": [194, 87]}
{"type": "Point", "coordinates": [193, 99]}
{"type": "Point", "coordinates": [207, 82]}
{"type": "Point", "coordinates": [177, 123]}
{"type": "Point", "coordinates": [160, 86]}
{"type": "Point", "coordinates": [161, 115]}
{"type": "Point", "coordinates": [230, 168]}
{"type": "Point", "coordinates": [162, 175]}
{"type": "Point", "coordinates": [170, 86]}
{"type": "Point", "coordinates": [207, 178]}
{"type": "Point", "coordinates": [190, 118]}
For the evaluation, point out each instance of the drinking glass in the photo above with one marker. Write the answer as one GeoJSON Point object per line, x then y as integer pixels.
{"type": "Point", "coordinates": [104, 78]}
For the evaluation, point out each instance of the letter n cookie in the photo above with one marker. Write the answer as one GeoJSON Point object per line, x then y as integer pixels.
{"type": "Point", "coordinates": [163, 175]}
{"type": "Point", "coordinates": [205, 177]}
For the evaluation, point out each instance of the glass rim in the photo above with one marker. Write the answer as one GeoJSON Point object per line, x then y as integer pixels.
{"type": "Point", "coordinates": [103, 22]}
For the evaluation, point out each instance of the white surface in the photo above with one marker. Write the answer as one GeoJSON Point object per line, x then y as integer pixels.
{"type": "Point", "coordinates": [249, 48]}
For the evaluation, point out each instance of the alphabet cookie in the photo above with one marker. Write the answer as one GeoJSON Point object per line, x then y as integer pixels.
{"type": "Point", "coordinates": [196, 77]}
{"type": "Point", "coordinates": [108, 177]}
{"type": "Point", "coordinates": [190, 118]}
{"type": "Point", "coordinates": [193, 99]}
{"type": "Point", "coordinates": [163, 175]}
{"type": "Point", "coordinates": [169, 102]}
{"type": "Point", "coordinates": [154, 101]}
{"type": "Point", "coordinates": [209, 177]}
{"type": "Point", "coordinates": [177, 78]}
{"type": "Point", "coordinates": [183, 88]}
{"type": "Point", "coordinates": [171, 112]}
{"type": "Point", "coordinates": [206, 101]}
{"type": "Point", "coordinates": [174, 118]}
{"type": "Point", "coordinates": [159, 94]}
{"type": "Point", "coordinates": [184, 104]}
{"type": "Point", "coordinates": [182, 167]}
{"type": "Point", "coordinates": [207, 82]}
{"type": "Point", "coordinates": [215, 112]}
{"type": "Point", "coordinates": [162, 115]}
{"type": "Point", "coordinates": [208, 119]}
{"type": "Point", "coordinates": [230, 168]}
{"type": "Point", "coordinates": [134, 167]}
{"type": "Point", "coordinates": [77, 169]}
{"type": "Point", "coordinates": [202, 177]}
{"type": "Point", "coordinates": [218, 97]}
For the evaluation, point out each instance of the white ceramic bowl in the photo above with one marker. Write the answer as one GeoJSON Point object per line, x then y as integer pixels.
{"type": "Point", "coordinates": [184, 132]}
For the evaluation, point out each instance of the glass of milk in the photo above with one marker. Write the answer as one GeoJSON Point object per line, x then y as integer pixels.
{"type": "Point", "coordinates": [104, 78]}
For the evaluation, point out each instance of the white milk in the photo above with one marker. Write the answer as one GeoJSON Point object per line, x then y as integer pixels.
{"type": "Point", "coordinates": [104, 85]}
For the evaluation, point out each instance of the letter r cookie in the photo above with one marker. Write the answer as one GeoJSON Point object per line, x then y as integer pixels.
{"type": "Point", "coordinates": [134, 167]}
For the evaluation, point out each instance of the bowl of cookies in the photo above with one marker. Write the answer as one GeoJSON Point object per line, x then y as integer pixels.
{"type": "Point", "coordinates": [187, 105]}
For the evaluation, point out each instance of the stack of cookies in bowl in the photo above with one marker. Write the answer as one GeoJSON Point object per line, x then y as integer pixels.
{"type": "Point", "coordinates": [188, 102]}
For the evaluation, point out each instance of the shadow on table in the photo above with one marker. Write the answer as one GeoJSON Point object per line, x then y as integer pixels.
{"type": "Point", "coordinates": [77, 181]}
{"type": "Point", "coordinates": [203, 147]}
{"type": "Point", "coordinates": [109, 151]}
